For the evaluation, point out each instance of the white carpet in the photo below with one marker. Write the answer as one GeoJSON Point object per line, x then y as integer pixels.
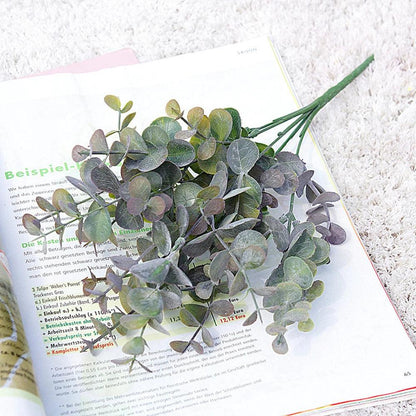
{"type": "Point", "coordinates": [367, 133]}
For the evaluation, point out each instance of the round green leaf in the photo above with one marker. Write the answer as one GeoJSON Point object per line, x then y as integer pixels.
{"type": "Point", "coordinates": [173, 109]}
{"type": "Point", "coordinates": [321, 250]}
{"type": "Point", "coordinates": [117, 151]}
{"type": "Point", "coordinates": [135, 346]}
{"type": "Point", "coordinates": [306, 326]}
{"type": "Point", "coordinates": [315, 290]}
{"type": "Point", "coordinates": [134, 142]}
{"type": "Point", "coordinates": [180, 152]}
{"type": "Point", "coordinates": [155, 209]}
{"type": "Point", "coordinates": [145, 301]}
{"type": "Point", "coordinates": [97, 226]}
{"type": "Point", "coordinates": [187, 318]}
{"type": "Point", "coordinates": [207, 149]}
{"type": "Point", "coordinates": [242, 155]}
{"type": "Point", "coordinates": [195, 116]}
{"type": "Point", "coordinates": [171, 127]}
{"type": "Point", "coordinates": [210, 165]}
{"type": "Point", "coordinates": [186, 193]}
{"type": "Point", "coordinates": [253, 257]}
{"type": "Point", "coordinates": [155, 157]}
{"type": "Point", "coordinates": [61, 195]}
{"type": "Point", "coordinates": [296, 270]}
{"type": "Point", "coordinates": [152, 271]}
{"type": "Point", "coordinates": [246, 239]}
{"type": "Point", "coordinates": [139, 187]}
{"type": "Point", "coordinates": [113, 102]}
{"type": "Point", "coordinates": [236, 129]}
{"type": "Point", "coordinates": [156, 136]}
{"type": "Point", "coordinates": [221, 123]}
{"type": "Point", "coordinates": [286, 293]}
{"type": "Point", "coordinates": [133, 321]}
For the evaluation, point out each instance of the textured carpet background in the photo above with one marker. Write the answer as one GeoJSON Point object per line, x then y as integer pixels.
{"type": "Point", "coordinates": [367, 133]}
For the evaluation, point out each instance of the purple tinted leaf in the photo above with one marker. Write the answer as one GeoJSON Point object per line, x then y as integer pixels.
{"type": "Point", "coordinates": [125, 220]}
{"type": "Point", "coordinates": [317, 218]}
{"type": "Point", "coordinates": [290, 184]}
{"type": "Point", "coordinates": [311, 193]}
{"type": "Point", "coordinates": [179, 346]}
{"type": "Point", "coordinates": [123, 262]}
{"type": "Point", "coordinates": [323, 230]}
{"type": "Point", "coordinates": [326, 197]}
{"type": "Point", "coordinates": [98, 142]}
{"type": "Point", "coordinates": [318, 207]}
{"type": "Point", "coordinates": [44, 205]}
{"type": "Point", "coordinates": [304, 178]}
{"type": "Point", "coordinates": [168, 201]}
{"type": "Point", "coordinates": [85, 173]}
{"type": "Point", "coordinates": [104, 179]}
{"type": "Point", "coordinates": [155, 209]}
{"type": "Point", "coordinates": [79, 153]}
{"type": "Point", "coordinates": [290, 161]}
{"type": "Point", "coordinates": [204, 289]}
{"type": "Point", "coordinates": [222, 307]}
{"type": "Point", "coordinates": [199, 245]}
{"type": "Point", "coordinates": [251, 319]}
{"type": "Point", "coordinates": [219, 265]}
{"type": "Point", "coordinates": [197, 347]}
{"type": "Point", "coordinates": [337, 236]}
{"type": "Point", "coordinates": [214, 206]}
{"type": "Point", "coordinates": [32, 224]}
{"type": "Point", "coordinates": [135, 206]}
{"type": "Point", "coordinates": [79, 184]}
{"type": "Point", "coordinates": [207, 337]}
{"type": "Point", "coordinates": [272, 178]}
{"type": "Point", "coordinates": [177, 277]}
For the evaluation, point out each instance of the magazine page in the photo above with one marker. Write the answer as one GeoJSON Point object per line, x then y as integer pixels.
{"type": "Point", "coordinates": [18, 391]}
{"type": "Point", "coordinates": [357, 351]}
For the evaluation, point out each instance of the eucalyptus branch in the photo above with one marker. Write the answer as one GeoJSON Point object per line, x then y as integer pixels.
{"type": "Point", "coordinates": [177, 183]}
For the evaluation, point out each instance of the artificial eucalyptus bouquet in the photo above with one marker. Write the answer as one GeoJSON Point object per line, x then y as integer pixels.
{"type": "Point", "coordinates": [207, 188]}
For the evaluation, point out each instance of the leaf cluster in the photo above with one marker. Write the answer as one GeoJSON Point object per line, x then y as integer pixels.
{"type": "Point", "coordinates": [206, 190]}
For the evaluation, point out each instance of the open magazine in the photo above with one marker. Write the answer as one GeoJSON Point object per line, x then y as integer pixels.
{"type": "Point", "coordinates": [358, 353]}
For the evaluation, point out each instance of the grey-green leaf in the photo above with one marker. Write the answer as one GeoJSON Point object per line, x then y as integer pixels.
{"type": "Point", "coordinates": [242, 155]}
{"type": "Point", "coordinates": [145, 301]}
{"type": "Point", "coordinates": [113, 102]}
{"type": "Point", "coordinates": [296, 270]}
{"type": "Point", "coordinates": [152, 271]}
{"type": "Point", "coordinates": [180, 152]}
{"type": "Point", "coordinates": [221, 123]}
{"type": "Point", "coordinates": [161, 238]}
{"type": "Point", "coordinates": [134, 347]}
{"type": "Point", "coordinates": [97, 226]}
{"type": "Point", "coordinates": [222, 307]}
{"type": "Point", "coordinates": [279, 345]}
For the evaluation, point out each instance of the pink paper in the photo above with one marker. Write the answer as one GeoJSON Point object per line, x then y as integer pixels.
{"type": "Point", "coordinates": [124, 56]}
